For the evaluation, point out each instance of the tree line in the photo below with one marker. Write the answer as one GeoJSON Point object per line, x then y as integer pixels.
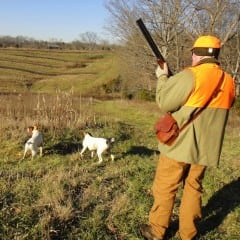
{"type": "Point", "coordinates": [86, 41]}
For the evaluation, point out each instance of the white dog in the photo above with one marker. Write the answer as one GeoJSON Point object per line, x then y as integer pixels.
{"type": "Point", "coordinates": [98, 145]}
{"type": "Point", "coordinates": [35, 143]}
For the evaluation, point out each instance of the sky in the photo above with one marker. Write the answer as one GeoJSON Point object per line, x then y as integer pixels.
{"type": "Point", "coordinates": [62, 20]}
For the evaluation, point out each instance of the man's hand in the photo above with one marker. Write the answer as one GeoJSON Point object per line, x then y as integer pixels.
{"type": "Point", "coordinates": [159, 72]}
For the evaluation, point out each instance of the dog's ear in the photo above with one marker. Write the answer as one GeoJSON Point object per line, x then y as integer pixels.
{"type": "Point", "coordinates": [30, 128]}
{"type": "Point", "coordinates": [87, 133]}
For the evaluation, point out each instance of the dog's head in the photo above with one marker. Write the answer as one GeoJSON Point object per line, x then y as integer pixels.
{"type": "Point", "coordinates": [110, 141]}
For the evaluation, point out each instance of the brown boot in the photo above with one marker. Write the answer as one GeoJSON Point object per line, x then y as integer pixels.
{"type": "Point", "coordinates": [147, 233]}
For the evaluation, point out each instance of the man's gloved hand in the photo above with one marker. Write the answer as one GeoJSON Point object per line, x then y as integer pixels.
{"type": "Point", "coordinates": [159, 72]}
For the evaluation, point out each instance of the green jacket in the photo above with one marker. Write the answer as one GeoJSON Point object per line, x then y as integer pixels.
{"type": "Point", "coordinates": [201, 141]}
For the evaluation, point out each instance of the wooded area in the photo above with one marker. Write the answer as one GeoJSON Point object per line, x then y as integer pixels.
{"type": "Point", "coordinates": [174, 25]}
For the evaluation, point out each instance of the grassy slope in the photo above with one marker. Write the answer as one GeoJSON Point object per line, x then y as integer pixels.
{"type": "Point", "coordinates": [49, 71]}
{"type": "Point", "coordinates": [64, 197]}
{"type": "Point", "coordinates": [86, 80]}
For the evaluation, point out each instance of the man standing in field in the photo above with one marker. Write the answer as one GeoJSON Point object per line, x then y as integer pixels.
{"type": "Point", "coordinates": [198, 145]}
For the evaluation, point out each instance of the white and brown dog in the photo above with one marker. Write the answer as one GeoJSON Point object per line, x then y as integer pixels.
{"type": "Point", "coordinates": [35, 143]}
{"type": "Point", "coordinates": [96, 144]}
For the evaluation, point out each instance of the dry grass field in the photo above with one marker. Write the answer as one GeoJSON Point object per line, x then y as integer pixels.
{"type": "Point", "coordinates": [51, 71]}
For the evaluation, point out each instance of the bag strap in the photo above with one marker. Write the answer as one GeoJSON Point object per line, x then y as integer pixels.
{"type": "Point", "coordinates": [194, 116]}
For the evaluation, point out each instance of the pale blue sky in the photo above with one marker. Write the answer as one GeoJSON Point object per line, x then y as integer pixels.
{"type": "Point", "coordinates": [53, 19]}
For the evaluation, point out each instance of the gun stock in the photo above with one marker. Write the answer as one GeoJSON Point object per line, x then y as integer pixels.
{"type": "Point", "coordinates": [152, 44]}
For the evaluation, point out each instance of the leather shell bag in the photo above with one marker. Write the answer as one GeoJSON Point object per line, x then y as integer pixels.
{"type": "Point", "coordinates": [166, 129]}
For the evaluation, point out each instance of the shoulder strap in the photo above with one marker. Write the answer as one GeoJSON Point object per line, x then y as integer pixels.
{"type": "Point", "coordinates": [194, 116]}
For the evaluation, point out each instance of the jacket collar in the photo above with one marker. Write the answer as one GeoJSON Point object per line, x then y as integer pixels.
{"type": "Point", "coordinates": [208, 60]}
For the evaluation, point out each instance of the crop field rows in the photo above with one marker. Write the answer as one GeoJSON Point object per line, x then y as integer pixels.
{"type": "Point", "coordinates": [24, 69]}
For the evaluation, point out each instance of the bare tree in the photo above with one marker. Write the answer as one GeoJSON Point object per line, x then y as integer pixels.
{"type": "Point", "coordinates": [220, 18]}
{"type": "Point", "coordinates": [174, 24]}
{"type": "Point", "coordinates": [89, 38]}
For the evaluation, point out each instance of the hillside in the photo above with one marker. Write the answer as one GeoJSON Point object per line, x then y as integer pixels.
{"type": "Point", "coordinates": [49, 71]}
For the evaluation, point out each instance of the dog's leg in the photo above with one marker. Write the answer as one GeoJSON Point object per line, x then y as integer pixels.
{"type": "Point", "coordinates": [34, 153]}
{"type": "Point", "coordinates": [100, 159]}
{"type": "Point", "coordinates": [111, 155]}
{"type": "Point", "coordinates": [83, 150]}
{"type": "Point", "coordinates": [25, 152]}
{"type": "Point", "coordinates": [27, 147]}
{"type": "Point", "coordinates": [41, 150]}
{"type": "Point", "coordinates": [34, 150]}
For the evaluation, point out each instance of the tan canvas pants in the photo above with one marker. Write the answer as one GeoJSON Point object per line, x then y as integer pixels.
{"type": "Point", "coordinates": [169, 175]}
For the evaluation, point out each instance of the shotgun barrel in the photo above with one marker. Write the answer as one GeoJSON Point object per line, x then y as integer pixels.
{"type": "Point", "coordinates": [152, 44]}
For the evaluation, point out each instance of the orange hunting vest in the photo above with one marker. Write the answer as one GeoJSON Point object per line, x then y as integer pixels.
{"type": "Point", "coordinates": [207, 77]}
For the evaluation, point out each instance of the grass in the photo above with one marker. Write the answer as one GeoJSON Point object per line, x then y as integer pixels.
{"type": "Point", "coordinates": [61, 196]}
{"type": "Point", "coordinates": [64, 197]}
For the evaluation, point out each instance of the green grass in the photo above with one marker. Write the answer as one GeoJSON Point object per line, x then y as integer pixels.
{"type": "Point", "coordinates": [61, 196]}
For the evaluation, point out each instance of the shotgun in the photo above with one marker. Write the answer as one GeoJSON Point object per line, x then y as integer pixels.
{"type": "Point", "coordinates": [152, 44]}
